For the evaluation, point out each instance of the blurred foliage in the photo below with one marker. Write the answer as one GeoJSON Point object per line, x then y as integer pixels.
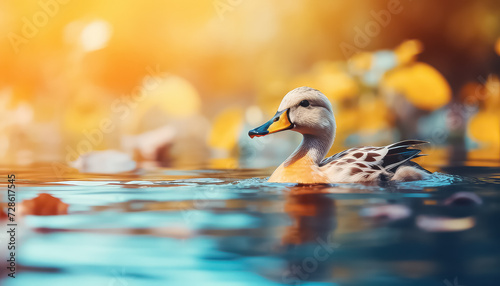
{"type": "Point", "coordinates": [180, 82]}
{"type": "Point", "coordinates": [423, 86]}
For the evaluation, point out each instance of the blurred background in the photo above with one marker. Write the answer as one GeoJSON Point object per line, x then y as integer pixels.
{"type": "Point", "coordinates": [180, 83]}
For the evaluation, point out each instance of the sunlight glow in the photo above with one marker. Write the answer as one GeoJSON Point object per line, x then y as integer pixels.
{"type": "Point", "coordinates": [95, 35]}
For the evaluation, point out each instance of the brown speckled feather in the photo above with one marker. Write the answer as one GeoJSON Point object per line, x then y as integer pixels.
{"type": "Point", "coordinates": [369, 163]}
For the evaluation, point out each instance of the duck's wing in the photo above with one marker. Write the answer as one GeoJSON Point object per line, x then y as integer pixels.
{"type": "Point", "coordinates": [399, 153]}
{"type": "Point", "coordinates": [374, 160]}
{"type": "Point", "coordinates": [370, 155]}
{"type": "Point", "coordinates": [337, 156]}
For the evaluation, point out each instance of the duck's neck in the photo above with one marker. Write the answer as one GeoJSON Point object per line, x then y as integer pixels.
{"type": "Point", "coordinates": [312, 149]}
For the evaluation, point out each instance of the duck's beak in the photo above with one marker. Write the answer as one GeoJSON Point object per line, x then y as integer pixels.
{"type": "Point", "coordinates": [279, 122]}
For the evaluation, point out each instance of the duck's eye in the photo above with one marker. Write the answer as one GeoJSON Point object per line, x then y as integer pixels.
{"type": "Point", "coordinates": [304, 103]}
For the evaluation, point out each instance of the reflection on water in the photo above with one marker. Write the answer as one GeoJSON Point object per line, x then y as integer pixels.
{"type": "Point", "coordinates": [217, 227]}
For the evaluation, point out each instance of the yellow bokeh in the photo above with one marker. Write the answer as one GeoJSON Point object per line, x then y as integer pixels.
{"type": "Point", "coordinates": [407, 51]}
{"type": "Point", "coordinates": [361, 62]}
{"type": "Point", "coordinates": [174, 95]}
{"type": "Point", "coordinates": [484, 127]}
{"type": "Point", "coordinates": [421, 84]}
{"type": "Point", "coordinates": [226, 129]}
{"type": "Point", "coordinates": [334, 81]}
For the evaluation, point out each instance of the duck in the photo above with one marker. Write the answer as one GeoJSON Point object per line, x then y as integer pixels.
{"type": "Point", "coordinates": [309, 112]}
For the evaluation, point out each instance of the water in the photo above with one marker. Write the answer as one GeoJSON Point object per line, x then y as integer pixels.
{"type": "Point", "coordinates": [231, 227]}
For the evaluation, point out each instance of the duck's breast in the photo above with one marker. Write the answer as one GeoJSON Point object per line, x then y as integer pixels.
{"type": "Point", "coordinates": [300, 173]}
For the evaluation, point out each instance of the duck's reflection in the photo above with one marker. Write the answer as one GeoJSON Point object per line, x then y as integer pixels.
{"type": "Point", "coordinates": [312, 214]}
{"type": "Point", "coordinates": [308, 241]}
{"type": "Point", "coordinates": [294, 240]}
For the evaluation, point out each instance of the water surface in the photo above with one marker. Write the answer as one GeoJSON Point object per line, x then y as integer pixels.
{"type": "Point", "coordinates": [231, 227]}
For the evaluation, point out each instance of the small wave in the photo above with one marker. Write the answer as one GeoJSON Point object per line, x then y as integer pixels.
{"type": "Point", "coordinates": [434, 180]}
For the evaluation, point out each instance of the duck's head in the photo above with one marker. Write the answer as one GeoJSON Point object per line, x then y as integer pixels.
{"type": "Point", "coordinates": [304, 110]}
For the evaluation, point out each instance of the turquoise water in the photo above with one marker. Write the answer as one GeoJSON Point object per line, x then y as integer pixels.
{"type": "Point", "coordinates": [231, 227]}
